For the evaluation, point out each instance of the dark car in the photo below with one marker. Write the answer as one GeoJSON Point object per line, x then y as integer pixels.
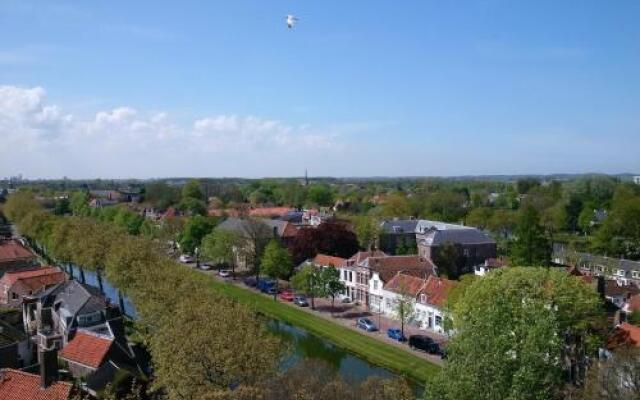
{"type": "Point", "coordinates": [396, 334]}
{"type": "Point", "coordinates": [300, 301]}
{"type": "Point", "coordinates": [265, 285]}
{"type": "Point", "coordinates": [424, 343]}
{"type": "Point", "coordinates": [250, 281]}
{"type": "Point", "coordinates": [366, 324]}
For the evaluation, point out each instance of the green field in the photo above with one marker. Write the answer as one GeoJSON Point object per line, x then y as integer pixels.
{"type": "Point", "coordinates": [374, 351]}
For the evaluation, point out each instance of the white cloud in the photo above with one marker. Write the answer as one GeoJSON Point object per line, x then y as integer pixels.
{"type": "Point", "coordinates": [44, 141]}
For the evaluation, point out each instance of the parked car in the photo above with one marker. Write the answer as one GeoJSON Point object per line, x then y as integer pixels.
{"type": "Point", "coordinates": [346, 300]}
{"type": "Point", "coordinates": [271, 290]}
{"type": "Point", "coordinates": [264, 285]}
{"type": "Point", "coordinates": [424, 343]}
{"type": "Point", "coordinates": [250, 281]}
{"type": "Point", "coordinates": [225, 273]}
{"type": "Point", "coordinates": [396, 334]}
{"type": "Point", "coordinates": [366, 324]}
{"type": "Point", "coordinates": [206, 266]}
{"type": "Point", "coordinates": [300, 301]}
{"type": "Point", "coordinates": [186, 258]}
{"type": "Point", "coordinates": [287, 295]}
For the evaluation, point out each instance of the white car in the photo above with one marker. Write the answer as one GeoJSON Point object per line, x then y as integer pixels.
{"type": "Point", "coordinates": [205, 266]}
{"type": "Point", "coordinates": [185, 258]}
{"type": "Point", "coordinates": [225, 273]}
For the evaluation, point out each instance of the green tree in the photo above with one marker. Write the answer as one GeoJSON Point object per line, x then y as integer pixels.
{"type": "Point", "coordinates": [511, 328]}
{"type": "Point", "coordinates": [449, 259]}
{"type": "Point", "coordinates": [331, 284]}
{"type": "Point", "coordinates": [320, 195]}
{"type": "Point", "coordinates": [531, 246]}
{"type": "Point", "coordinates": [80, 203]}
{"type": "Point", "coordinates": [276, 261]}
{"type": "Point", "coordinates": [307, 280]}
{"type": "Point", "coordinates": [192, 190]}
{"type": "Point", "coordinates": [62, 207]}
{"type": "Point", "coordinates": [404, 306]}
{"type": "Point", "coordinates": [221, 246]}
{"type": "Point", "coordinates": [195, 229]}
{"type": "Point", "coordinates": [367, 230]}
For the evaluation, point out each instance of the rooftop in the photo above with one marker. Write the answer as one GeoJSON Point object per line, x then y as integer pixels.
{"type": "Point", "coordinates": [11, 250]}
{"type": "Point", "coordinates": [18, 385]}
{"type": "Point", "coordinates": [34, 278]}
{"type": "Point", "coordinates": [323, 259]}
{"type": "Point", "coordinates": [87, 348]}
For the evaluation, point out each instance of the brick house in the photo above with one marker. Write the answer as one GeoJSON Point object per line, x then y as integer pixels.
{"type": "Point", "coordinates": [14, 256]}
{"type": "Point", "coordinates": [16, 285]}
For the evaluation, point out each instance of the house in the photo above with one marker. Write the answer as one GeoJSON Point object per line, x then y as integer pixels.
{"type": "Point", "coordinates": [428, 295]}
{"type": "Point", "coordinates": [476, 245]}
{"type": "Point", "coordinates": [489, 265]}
{"type": "Point", "coordinates": [54, 315]}
{"type": "Point", "coordinates": [16, 285]}
{"type": "Point", "coordinates": [397, 233]}
{"type": "Point", "coordinates": [619, 269]}
{"type": "Point", "coordinates": [625, 334]}
{"type": "Point", "coordinates": [619, 294]}
{"type": "Point", "coordinates": [355, 275]}
{"type": "Point", "coordinates": [15, 256]}
{"type": "Point", "coordinates": [323, 260]}
{"type": "Point", "coordinates": [19, 385]}
{"type": "Point", "coordinates": [98, 360]}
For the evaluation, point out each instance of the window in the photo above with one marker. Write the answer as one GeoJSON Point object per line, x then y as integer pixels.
{"type": "Point", "coordinates": [375, 285]}
{"type": "Point", "coordinates": [423, 298]}
{"type": "Point", "coordinates": [438, 320]}
{"type": "Point", "coordinates": [89, 319]}
{"type": "Point", "coordinates": [620, 272]}
{"type": "Point", "coordinates": [635, 274]}
{"type": "Point", "coordinates": [350, 276]}
{"type": "Point", "coordinates": [14, 295]}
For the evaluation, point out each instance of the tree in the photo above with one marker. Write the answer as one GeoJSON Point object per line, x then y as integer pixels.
{"type": "Point", "coordinates": [517, 327]}
{"type": "Point", "coordinates": [396, 205]}
{"type": "Point", "coordinates": [192, 190]}
{"type": "Point", "coordinates": [617, 378]}
{"type": "Point", "coordinates": [195, 229]}
{"type": "Point", "coordinates": [619, 234]}
{"type": "Point", "coordinates": [62, 207]}
{"type": "Point", "coordinates": [80, 203]}
{"type": "Point", "coordinates": [320, 195]}
{"type": "Point", "coordinates": [531, 246]}
{"type": "Point", "coordinates": [307, 280]}
{"type": "Point", "coordinates": [161, 195]}
{"type": "Point", "coordinates": [221, 246]}
{"type": "Point", "coordinates": [585, 219]}
{"type": "Point", "coordinates": [193, 206]}
{"type": "Point", "coordinates": [404, 306]}
{"type": "Point", "coordinates": [450, 260]}
{"type": "Point", "coordinates": [332, 237]}
{"type": "Point", "coordinates": [367, 230]}
{"type": "Point", "coordinates": [331, 284]}
{"type": "Point", "coordinates": [276, 262]}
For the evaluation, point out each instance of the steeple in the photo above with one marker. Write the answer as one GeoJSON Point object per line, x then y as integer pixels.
{"type": "Point", "coordinates": [306, 178]}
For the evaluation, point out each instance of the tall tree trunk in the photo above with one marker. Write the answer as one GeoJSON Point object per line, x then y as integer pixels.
{"type": "Point", "coordinates": [82, 277]}
{"type": "Point", "coordinates": [99, 276]}
{"type": "Point", "coordinates": [121, 302]}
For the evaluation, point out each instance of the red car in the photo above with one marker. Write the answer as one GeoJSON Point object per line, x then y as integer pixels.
{"type": "Point", "coordinates": [287, 295]}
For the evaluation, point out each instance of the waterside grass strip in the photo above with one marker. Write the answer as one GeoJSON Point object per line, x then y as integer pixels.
{"type": "Point", "coordinates": [372, 350]}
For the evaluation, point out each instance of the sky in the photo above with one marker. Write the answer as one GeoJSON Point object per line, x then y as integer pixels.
{"type": "Point", "coordinates": [142, 89]}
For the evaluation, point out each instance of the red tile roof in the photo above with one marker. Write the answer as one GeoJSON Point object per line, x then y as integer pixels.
{"type": "Point", "coordinates": [389, 266]}
{"type": "Point", "coordinates": [18, 385]}
{"type": "Point", "coordinates": [402, 283]}
{"type": "Point", "coordinates": [624, 335]}
{"type": "Point", "coordinates": [34, 278]}
{"type": "Point", "coordinates": [363, 255]}
{"type": "Point", "coordinates": [437, 290]}
{"type": "Point", "coordinates": [86, 348]}
{"type": "Point", "coordinates": [323, 259]}
{"type": "Point", "coordinates": [269, 211]}
{"type": "Point", "coordinates": [12, 250]}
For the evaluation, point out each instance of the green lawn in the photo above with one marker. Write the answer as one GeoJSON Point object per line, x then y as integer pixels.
{"type": "Point", "coordinates": [372, 350]}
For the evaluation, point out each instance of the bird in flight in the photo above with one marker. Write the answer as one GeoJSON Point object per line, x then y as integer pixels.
{"type": "Point", "coordinates": [291, 20]}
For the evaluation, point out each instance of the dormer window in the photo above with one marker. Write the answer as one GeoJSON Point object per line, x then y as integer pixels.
{"type": "Point", "coordinates": [423, 298]}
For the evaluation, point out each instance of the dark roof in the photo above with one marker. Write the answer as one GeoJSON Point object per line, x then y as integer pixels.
{"type": "Point", "coordinates": [462, 236]}
{"type": "Point", "coordinates": [613, 289]}
{"type": "Point", "coordinates": [242, 226]}
{"type": "Point", "coordinates": [561, 252]}
{"type": "Point", "coordinates": [75, 297]}
{"type": "Point", "coordinates": [399, 226]}
{"type": "Point", "coordinates": [389, 266]}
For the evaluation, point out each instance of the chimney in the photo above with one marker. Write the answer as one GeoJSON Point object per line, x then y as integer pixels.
{"type": "Point", "coordinates": [48, 366]}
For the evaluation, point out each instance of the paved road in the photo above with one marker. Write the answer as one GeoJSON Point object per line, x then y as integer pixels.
{"type": "Point", "coordinates": [347, 314]}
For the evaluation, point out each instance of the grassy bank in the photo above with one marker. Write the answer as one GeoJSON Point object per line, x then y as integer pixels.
{"type": "Point", "coordinates": [372, 350]}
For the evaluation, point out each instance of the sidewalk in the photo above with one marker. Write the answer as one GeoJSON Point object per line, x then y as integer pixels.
{"type": "Point", "coordinates": [347, 314]}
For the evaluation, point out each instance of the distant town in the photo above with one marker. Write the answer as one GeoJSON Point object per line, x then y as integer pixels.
{"type": "Point", "coordinates": [179, 288]}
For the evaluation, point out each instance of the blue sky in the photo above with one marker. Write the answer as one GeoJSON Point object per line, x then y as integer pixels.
{"type": "Point", "coordinates": [357, 88]}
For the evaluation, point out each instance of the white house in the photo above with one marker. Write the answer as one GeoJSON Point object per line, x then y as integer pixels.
{"type": "Point", "coordinates": [429, 296]}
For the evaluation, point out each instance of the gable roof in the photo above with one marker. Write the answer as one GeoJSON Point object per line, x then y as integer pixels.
{"type": "Point", "coordinates": [269, 211]}
{"type": "Point", "coordinates": [399, 226]}
{"type": "Point", "coordinates": [324, 259]}
{"type": "Point", "coordinates": [389, 266]}
{"type": "Point", "coordinates": [34, 278]}
{"type": "Point", "coordinates": [18, 385]}
{"type": "Point", "coordinates": [12, 250]}
{"type": "Point", "coordinates": [360, 256]}
{"type": "Point", "coordinates": [612, 288]}
{"type": "Point", "coordinates": [402, 283]}
{"type": "Point", "coordinates": [87, 348]}
{"type": "Point", "coordinates": [437, 289]}
{"type": "Point", "coordinates": [625, 334]}
{"type": "Point", "coordinates": [75, 297]}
